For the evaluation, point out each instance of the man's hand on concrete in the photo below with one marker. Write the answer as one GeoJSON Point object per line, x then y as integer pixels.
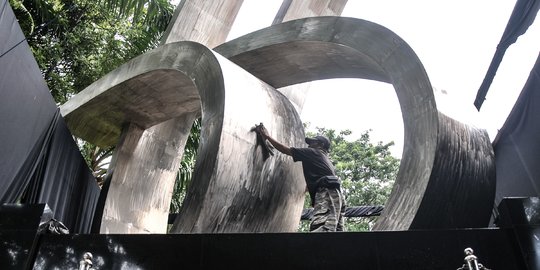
{"type": "Point", "coordinates": [262, 130]}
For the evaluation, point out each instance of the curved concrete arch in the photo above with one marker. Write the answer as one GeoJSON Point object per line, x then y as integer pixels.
{"type": "Point", "coordinates": [233, 189]}
{"type": "Point", "coordinates": [337, 47]}
{"type": "Point", "coordinates": [147, 90]}
{"type": "Point", "coordinates": [178, 80]}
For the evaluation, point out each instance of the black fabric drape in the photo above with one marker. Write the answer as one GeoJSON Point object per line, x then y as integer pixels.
{"type": "Point", "coordinates": [27, 109]}
{"type": "Point", "coordinates": [522, 17]}
{"type": "Point", "coordinates": [100, 205]}
{"type": "Point", "coordinates": [39, 160]}
{"type": "Point", "coordinates": [27, 171]}
{"type": "Point", "coordinates": [65, 182]}
{"type": "Point", "coordinates": [55, 173]}
{"type": "Point", "coordinates": [517, 145]}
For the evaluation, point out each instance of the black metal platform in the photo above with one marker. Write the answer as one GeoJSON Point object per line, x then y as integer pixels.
{"type": "Point", "coordinates": [513, 246]}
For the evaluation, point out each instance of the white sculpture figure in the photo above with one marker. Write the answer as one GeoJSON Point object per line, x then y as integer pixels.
{"type": "Point", "coordinates": [86, 262]}
{"type": "Point", "coordinates": [471, 261]}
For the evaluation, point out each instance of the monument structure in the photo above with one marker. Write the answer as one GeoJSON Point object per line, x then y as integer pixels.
{"type": "Point", "coordinates": [154, 150]}
{"type": "Point", "coordinates": [241, 208]}
{"type": "Point", "coordinates": [150, 127]}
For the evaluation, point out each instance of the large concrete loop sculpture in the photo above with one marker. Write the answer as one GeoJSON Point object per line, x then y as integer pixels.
{"type": "Point", "coordinates": [232, 188]}
{"type": "Point", "coordinates": [446, 176]}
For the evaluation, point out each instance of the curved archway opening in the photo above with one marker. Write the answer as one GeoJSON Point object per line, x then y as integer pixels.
{"type": "Point", "coordinates": [357, 105]}
{"type": "Point", "coordinates": [363, 119]}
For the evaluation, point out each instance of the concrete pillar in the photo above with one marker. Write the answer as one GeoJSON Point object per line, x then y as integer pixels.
{"type": "Point", "coordinates": [155, 159]}
{"type": "Point", "coordinates": [297, 9]}
{"type": "Point", "coordinates": [204, 21]}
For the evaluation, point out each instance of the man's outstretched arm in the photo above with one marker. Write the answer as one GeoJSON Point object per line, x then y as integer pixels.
{"type": "Point", "coordinates": [279, 146]}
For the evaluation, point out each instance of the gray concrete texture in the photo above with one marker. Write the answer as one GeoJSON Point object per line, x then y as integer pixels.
{"type": "Point", "coordinates": [298, 9]}
{"type": "Point", "coordinates": [156, 152]}
{"type": "Point", "coordinates": [232, 186]}
{"type": "Point", "coordinates": [292, 10]}
{"type": "Point", "coordinates": [205, 21]}
{"type": "Point", "coordinates": [335, 47]}
{"type": "Point", "coordinates": [285, 54]}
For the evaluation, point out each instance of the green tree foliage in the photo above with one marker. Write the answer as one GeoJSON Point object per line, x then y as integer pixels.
{"type": "Point", "coordinates": [76, 42]}
{"type": "Point", "coordinates": [367, 171]}
{"type": "Point", "coordinates": [97, 159]}
{"type": "Point", "coordinates": [187, 165]}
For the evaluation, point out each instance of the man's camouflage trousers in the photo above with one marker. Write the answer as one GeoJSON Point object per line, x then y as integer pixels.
{"type": "Point", "coordinates": [328, 210]}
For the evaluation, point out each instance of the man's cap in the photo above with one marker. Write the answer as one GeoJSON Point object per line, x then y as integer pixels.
{"type": "Point", "coordinates": [325, 142]}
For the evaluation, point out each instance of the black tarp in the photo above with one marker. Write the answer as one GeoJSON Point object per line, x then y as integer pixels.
{"type": "Point", "coordinates": [63, 180]}
{"type": "Point", "coordinates": [39, 160]}
{"type": "Point", "coordinates": [517, 145]}
{"type": "Point", "coordinates": [522, 17]}
{"type": "Point", "coordinates": [26, 107]}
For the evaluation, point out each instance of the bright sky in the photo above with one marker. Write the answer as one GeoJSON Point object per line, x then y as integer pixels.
{"type": "Point", "coordinates": [455, 40]}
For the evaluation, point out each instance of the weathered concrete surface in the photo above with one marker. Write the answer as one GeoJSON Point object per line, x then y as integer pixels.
{"type": "Point", "coordinates": [233, 189]}
{"type": "Point", "coordinates": [144, 106]}
{"type": "Point", "coordinates": [204, 21]}
{"type": "Point", "coordinates": [463, 177]}
{"type": "Point", "coordinates": [244, 193]}
{"type": "Point", "coordinates": [297, 9]}
{"type": "Point", "coordinates": [298, 51]}
{"type": "Point", "coordinates": [207, 22]}
{"type": "Point", "coordinates": [333, 47]}
{"type": "Point", "coordinates": [139, 197]}
{"type": "Point", "coordinates": [158, 152]}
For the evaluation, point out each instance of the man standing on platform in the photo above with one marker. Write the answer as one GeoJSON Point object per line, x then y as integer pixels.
{"type": "Point", "coordinates": [323, 185]}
